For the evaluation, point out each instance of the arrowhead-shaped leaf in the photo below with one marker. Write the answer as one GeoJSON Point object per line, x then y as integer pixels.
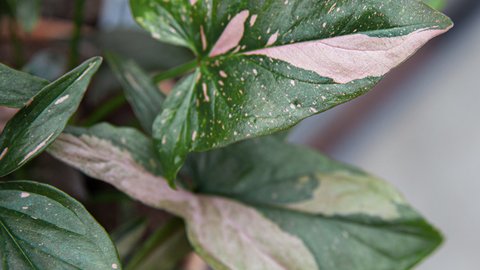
{"type": "Point", "coordinates": [43, 228]}
{"type": "Point", "coordinates": [265, 65]}
{"type": "Point", "coordinates": [17, 88]}
{"type": "Point", "coordinates": [142, 94]}
{"type": "Point", "coordinates": [44, 117]}
{"type": "Point", "coordinates": [266, 204]}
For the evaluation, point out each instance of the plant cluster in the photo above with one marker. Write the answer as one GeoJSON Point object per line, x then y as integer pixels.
{"type": "Point", "coordinates": [210, 151]}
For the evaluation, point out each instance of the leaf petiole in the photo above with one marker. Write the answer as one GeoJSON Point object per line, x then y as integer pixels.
{"type": "Point", "coordinates": [175, 72]}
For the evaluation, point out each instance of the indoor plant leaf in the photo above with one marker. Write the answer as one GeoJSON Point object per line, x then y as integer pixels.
{"type": "Point", "coordinates": [43, 228]}
{"type": "Point", "coordinates": [44, 117]}
{"type": "Point", "coordinates": [17, 87]}
{"type": "Point", "coordinates": [267, 204]}
{"type": "Point", "coordinates": [262, 66]}
{"type": "Point", "coordinates": [142, 94]}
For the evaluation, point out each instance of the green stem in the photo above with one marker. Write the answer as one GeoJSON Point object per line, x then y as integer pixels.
{"type": "Point", "coordinates": [105, 110]}
{"type": "Point", "coordinates": [75, 41]}
{"type": "Point", "coordinates": [175, 72]}
{"type": "Point", "coordinates": [170, 240]}
{"type": "Point", "coordinates": [17, 45]}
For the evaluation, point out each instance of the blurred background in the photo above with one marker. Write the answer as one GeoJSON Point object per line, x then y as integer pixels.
{"type": "Point", "coordinates": [418, 129]}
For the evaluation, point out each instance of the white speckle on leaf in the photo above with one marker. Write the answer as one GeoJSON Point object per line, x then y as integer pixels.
{"type": "Point", "coordinates": [292, 82]}
{"type": "Point", "coordinates": [332, 8]}
{"type": "Point", "coordinates": [205, 92]}
{"type": "Point", "coordinates": [62, 99]}
{"type": "Point", "coordinates": [223, 74]}
{"type": "Point", "coordinates": [24, 195]}
{"type": "Point", "coordinates": [273, 38]}
{"type": "Point", "coordinates": [194, 135]}
{"type": "Point", "coordinates": [4, 153]}
{"type": "Point", "coordinates": [203, 38]}
{"type": "Point", "coordinates": [253, 19]}
{"type": "Point", "coordinates": [36, 149]}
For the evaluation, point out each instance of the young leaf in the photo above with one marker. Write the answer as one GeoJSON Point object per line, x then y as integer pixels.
{"type": "Point", "coordinates": [44, 117]}
{"type": "Point", "coordinates": [266, 204]}
{"type": "Point", "coordinates": [43, 228]}
{"type": "Point", "coordinates": [17, 88]}
{"type": "Point", "coordinates": [142, 94]}
{"type": "Point", "coordinates": [264, 66]}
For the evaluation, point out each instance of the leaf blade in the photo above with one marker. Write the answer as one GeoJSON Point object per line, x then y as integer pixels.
{"type": "Point", "coordinates": [142, 94]}
{"type": "Point", "coordinates": [256, 196]}
{"type": "Point", "coordinates": [35, 126]}
{"type": "Point", "coordinates": [69, 238]}
{"type": "Point", "coordinates": [16, 87]}
{"type": "Point", "coordinates": [266, 66]}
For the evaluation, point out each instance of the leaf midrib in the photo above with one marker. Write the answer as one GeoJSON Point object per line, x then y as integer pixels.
{"type": "Point", "coordinates": [5, 228]}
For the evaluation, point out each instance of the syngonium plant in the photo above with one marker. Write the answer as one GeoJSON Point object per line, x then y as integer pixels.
{"type": "Point", "coordinates": [248, 203]}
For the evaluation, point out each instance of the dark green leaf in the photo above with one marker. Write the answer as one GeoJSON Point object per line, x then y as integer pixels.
{"type": "Point", "coordinates": [265, 65]}
{"type": "Point", "coordinates": [17, 88]}
{"type": "Point", "coordinates": [44, 117]}
{"type": "Point", "coordinates": [142, 94]}
{"type": "Point", "coordinates": [43, 228]}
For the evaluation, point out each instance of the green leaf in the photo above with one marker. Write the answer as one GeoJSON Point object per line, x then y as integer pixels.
{"type": "Point", "coordinates": [267, 204]}
{"type": "Point", "coordinates": [44, 117]}
{"type": "Point", "coordinates": [17, 88]}
{"type": "Point", "coordinates": [436, 4]}
{"type": "Point", "coordinates": [43, 228]}
{"type": "Point", "coordinates": [142, 94]}
{"type": "Point", "coordinates": [264, 66]}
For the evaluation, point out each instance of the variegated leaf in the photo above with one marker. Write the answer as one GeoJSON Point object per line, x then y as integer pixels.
{"type": "Point", "coordinates": [265, 65]}
{"type": "Point", "coordinates": [265, 204]}
{"type": "Point", "coordinates": [44, 117]}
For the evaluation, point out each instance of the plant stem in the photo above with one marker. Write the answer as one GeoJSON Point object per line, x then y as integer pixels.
{"type": "Point", "coordinates": [106, 109]}
{"type": "Point", "coordinates": [168, 244]}
{"type": "Point", "coordinates": [175, 72]}
{"type": "Point", "coordinates": [16, 44]}
{"type": "Point", "coordinates": [77, 26]}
